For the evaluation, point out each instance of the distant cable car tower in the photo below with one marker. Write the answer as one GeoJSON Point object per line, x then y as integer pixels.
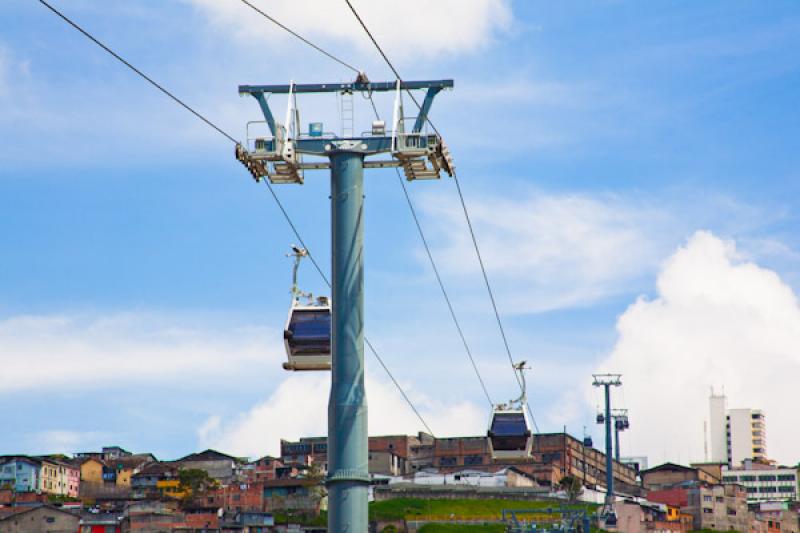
{"type": "Point", "coordinates": [621, 423]}
{"type": "Point", "coordinates": [281, 158]}
{"type": "Point", "coordinates": [607, 514]}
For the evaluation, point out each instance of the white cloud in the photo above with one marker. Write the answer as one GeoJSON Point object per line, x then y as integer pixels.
{"type": "Point", "coordinates": [64, 441]}
{"type": "Point", "coordinates": [717, 321]}
{"type": "Point", "coordinates": [126, 348]}
{"type": "Point", "coordinates": [405, 30]}
{"type": "Point", "coordinates": [298, 408]}
{"type": "Point", "coordinates": [551, 251]}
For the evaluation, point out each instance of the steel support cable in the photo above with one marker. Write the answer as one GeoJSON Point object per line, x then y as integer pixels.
{"type": "Point", "coordinates": [275, 196]}
{"type": "Point", "coordinates": [436, 272]}
{"type": "Point", "coordinates": [137, 71]}
{"type": "Point", "coordinates": [292, 32]}
{"type": "Point", "coordinates": [463, 205]}
{"type": "Point", "coordinates": [328, 283]}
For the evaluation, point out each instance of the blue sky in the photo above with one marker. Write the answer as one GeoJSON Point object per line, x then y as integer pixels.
{"type": "Point", "coordinates": [143, 283]}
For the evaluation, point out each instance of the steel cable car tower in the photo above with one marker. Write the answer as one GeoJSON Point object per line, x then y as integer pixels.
{"type": "Point", "coordinates": [279, 157]}
{"type": "Point", "coordinates": [607, 381]}
{"type": "Point", "coordinates": [621, 423]}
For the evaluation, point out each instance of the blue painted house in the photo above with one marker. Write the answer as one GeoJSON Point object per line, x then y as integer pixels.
{"type": "Point", "coordinates": [21, 473]}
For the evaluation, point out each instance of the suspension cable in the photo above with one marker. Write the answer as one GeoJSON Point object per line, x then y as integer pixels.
{"type": "Point", "coordinates": [292, 32]}
{"type": "Point", "coordinates": [328, 283]}
{"type": "Point", "coordinates": [436, 272]}
{"type": "Point", "coordinates": [463, 206]}
{"type": "Point", "coordinates": [275, 196]}
{"type": "Point", "coordinates": [137, 71]}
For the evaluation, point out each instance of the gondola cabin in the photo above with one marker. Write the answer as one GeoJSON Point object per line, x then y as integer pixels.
{"type": "Point", "coordinates": [510, 434]}
{"type": "Point", "coordinates": [307, 336]}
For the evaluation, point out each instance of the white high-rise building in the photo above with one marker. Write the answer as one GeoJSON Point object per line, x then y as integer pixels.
{"type": "Point", "coordinates": [736, 434]}
{"type": "Point", "coordinates": [747, 436]}
{"type": "Point", "coordinates": [718, 428]}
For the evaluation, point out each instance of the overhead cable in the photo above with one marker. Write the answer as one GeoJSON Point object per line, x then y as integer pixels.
{"type": "Point", "coordinates": [436, 272]}
{"type": "Point", "coordinates": [328, 283]}
{"type": "Point", "coordinates": [463, 205]}
{"type": "Point", "coordinates": [275, 196]}
{"type": "Point", "coordinates": [137, 71]}
{"type": "Point", "coordinates": [292, 32]}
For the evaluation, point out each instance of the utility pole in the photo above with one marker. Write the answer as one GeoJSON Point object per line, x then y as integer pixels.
{"type": "Point", "coordinates": [279, 157]}
{"type": "Point", "coordinates": [607, 381]}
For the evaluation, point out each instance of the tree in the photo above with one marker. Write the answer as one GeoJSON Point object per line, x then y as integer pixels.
{"type": "Point", "coordinates": [317, 475]}
{"type": "Point", "coordinates": [572, 487]}
{"type": "Point", "coordinates": [194, 480]}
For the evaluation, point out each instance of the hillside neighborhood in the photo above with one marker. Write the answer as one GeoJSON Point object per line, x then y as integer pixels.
{"type": "Point", "coordinates": [115, 490]}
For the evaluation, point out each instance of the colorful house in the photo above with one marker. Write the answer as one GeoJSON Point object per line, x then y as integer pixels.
{"type": "Point", "coordinates": [63, 475]}
{"type": "Point", "coordinates": [49, 477]}
{"type": "Point", "coordinates": [73, 480]}
{"type": "Point", "coordinates": [92, 470]}
{"type": "Point", "coordinates": [20, 473]}
{"type": "Point", "coordinates": [144, 483]}
{"type": "Point", "coordinates": [122, 469]}
{"type": "Point", "coordinates": [171, 488]}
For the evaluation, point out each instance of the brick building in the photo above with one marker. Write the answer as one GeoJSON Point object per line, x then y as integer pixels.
{"type": "Point", "coordinates": [554, 456]}
{"type": "Point", "coordinates": [718, 507]}
{"type": "Point", "coordinates": [670, 474]}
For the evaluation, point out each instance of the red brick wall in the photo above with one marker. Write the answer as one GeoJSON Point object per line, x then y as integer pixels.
{"type": "Point", "coordinates": [674, 497]}
{"type": "Point", "coordinates": [397, 444]}
{"type": "Point", "coordinates": [202, 520]}
{"type": "Point", "coordinates": [245, 497]}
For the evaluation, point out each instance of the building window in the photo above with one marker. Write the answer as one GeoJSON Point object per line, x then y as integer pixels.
{"type": "Point", "coordinates": [707, 498]}
{"type": "Point", "coordinates": [473, 460]}
{"type": "Point", "coordinates": [447, 461]}
{"type": "Point", "coordinates": [786, 477]}
{"type": "Point", "coordinates": [766, 478]}
{"type": "Point", "coordinates": [706, 510]}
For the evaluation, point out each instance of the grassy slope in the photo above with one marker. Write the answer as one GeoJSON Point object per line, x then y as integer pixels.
{"type": "Point", "coordinates": [455, 528]}
{"type": "Point", "coordinates": [409, 508]}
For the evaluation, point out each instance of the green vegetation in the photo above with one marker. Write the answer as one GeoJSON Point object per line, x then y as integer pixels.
{"type": "Point", "coordinates": [462, 528]}
{"type": "Point", "coordinates": [194, 480]}
{"type": "Point", "coordinates": [442, 509]}
{"type": "Point", "coordinates": [297, 517]}
{"type": "Point", "coordinates": [572, 486]}
{"type": "Point", "coordinates": [60, 498]}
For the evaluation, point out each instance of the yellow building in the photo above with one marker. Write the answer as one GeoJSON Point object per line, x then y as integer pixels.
{"type": "Point", "coordinates": [171, 488]}
{"type": "Point", "coordinates": [124, 476]}
{"type": "Point", "coordinates": [673, 513]}
{"type": "Point", "coordinates": [92, 471]}
{"type": "Point", "coordinates": [53, 477]}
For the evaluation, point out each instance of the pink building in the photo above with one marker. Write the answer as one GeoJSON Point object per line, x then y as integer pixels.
{"type": "Point", "coordinates": [73, 481]}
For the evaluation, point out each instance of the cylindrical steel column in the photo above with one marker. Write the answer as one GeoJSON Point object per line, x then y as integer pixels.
{"type": "Point", "coordinates": [609, 450]}
{"type": "Point", "coordinates": [348, 475]}
{"type": "Point", "coordinates": [616, 441]}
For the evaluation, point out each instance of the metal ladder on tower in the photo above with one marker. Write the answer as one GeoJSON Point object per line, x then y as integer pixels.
{"type": "Point", "coordinates": [346, 113]}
